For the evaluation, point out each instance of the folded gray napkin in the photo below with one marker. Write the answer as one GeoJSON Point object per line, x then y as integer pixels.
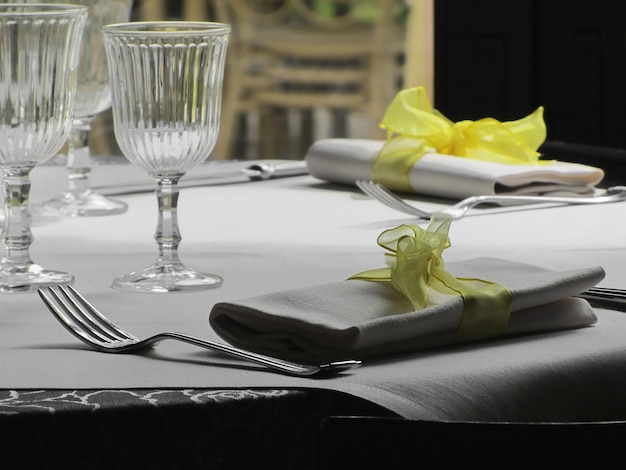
{"type": "Point", "coordinates": [356, 319]}
{"type": "Point", "coordinates": [347, 160]}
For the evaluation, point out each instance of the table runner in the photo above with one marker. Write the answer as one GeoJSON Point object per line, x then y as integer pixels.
{"type": "Point", "coordinates": [273, 235]}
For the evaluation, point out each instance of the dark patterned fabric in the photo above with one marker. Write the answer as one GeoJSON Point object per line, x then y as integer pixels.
{"type": "Point", "coordinates": [168, 429]}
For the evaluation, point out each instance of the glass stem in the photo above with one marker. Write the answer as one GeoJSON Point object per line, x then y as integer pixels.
{"type": "Point", "coordinates": [17, 236]}
{"type": "Point", "coordinates": [79, 159]}
{"type": "Point", "coordinates": [167, 233]}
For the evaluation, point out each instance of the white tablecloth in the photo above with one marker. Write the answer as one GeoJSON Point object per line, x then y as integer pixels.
{"type": "Point", "coordinates": [279, 234]}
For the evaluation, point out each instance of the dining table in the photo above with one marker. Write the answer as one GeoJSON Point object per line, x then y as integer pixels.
{"type": "Point", "coordinates": [65, 405]}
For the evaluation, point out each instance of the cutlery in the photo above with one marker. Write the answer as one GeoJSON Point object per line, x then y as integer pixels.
{"type": "Point", "coordinates": [86, 323]}
{"type": "Point", "coordinates": [264, 171]}
{"type": "Point", "coordinates": [257, 171]}
{"type": "Point", "coordinates": [606, 297]}
{"type": "Point", "coordinates": [458, 210]}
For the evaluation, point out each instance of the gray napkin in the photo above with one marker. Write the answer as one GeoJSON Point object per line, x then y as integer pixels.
{"type": "Point", "coordinates": [347, 160]}
{"type": "Point", "coordinates": [360, 319]}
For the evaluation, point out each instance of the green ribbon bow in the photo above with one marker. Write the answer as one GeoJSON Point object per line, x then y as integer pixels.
{"type": "Point", "coordinates": [415, 128]}
{"type": "Point", "coordinates": [415, 266]}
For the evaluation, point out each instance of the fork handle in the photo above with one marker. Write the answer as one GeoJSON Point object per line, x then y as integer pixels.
{"type": "Point", "coordinates": [524, 199]}
{"type": "Point", "coordinates": [280, 365]}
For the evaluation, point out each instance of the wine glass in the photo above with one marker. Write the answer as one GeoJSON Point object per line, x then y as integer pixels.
{"type": "Point", "coordinates": [93, 96]}
{"type": "Point", "coordinates": [39, 46]}
{"type": "Point", "coordinates": [166, 83]}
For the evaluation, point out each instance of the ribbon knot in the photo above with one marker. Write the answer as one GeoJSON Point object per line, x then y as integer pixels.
{"type": "Point", "coordinates": [414, 128]}
{"type": "Point", "coordinates": [415, 266]}
{"type": "Point", "coordinates": [414, 259]}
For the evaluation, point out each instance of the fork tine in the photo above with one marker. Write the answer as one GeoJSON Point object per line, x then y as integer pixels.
{"type": "Point", "coordinates": [384, 195]}
{"type": "Point", "coordinates": [393, 200]}
{"type": "Point", "coordinates": [91, 314]}
{"type": "Point", "coordinates": [605, 297]}
{"type": "Point", "coordinates": [83, 316]}
{"type": "Point", "coordinates": [66, 317]}
{"type": "Point", "coordinates": [607, 292]}
{"type": "Point", "coordinates": [381, 193]}
{"type": "Point", "coordinates": [377, 192]}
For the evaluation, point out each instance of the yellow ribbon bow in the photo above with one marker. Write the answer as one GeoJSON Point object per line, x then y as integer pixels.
{"type": "Point", "coordinates": [415, 128]}
{"type": "Point", "coordinates": [415, 265]}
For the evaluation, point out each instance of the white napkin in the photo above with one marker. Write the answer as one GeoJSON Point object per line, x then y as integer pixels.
{"type": "Point", "coordinates": [348, 160]}
{"type": "Point", "coordinates": [356, 319]}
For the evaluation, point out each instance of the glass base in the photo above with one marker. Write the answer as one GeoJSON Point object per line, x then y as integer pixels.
{"type": "Point", "coordinates": [89, 205]}
{"type": "Point", "coordinates": [30, 279]}
{"type": "Point", "coordinates": [41, 214]}
{"type": "Point", "coordinates": [166, 278]}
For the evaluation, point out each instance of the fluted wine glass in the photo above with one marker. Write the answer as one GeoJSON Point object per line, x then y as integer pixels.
{"type": "Point", "coordinates": [166, 83]}
{"type": "Point", "coordinates": [39, 47]}
{"type": "Point", "coordinates": [93, 96]}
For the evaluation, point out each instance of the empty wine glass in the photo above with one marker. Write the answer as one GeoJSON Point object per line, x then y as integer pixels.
{"type": "Point", "coordinates": [166, 83]}
{"type": "Point", "coordinates": [93, 96]}
{"type": "Point", "coordinates": [39, 47]}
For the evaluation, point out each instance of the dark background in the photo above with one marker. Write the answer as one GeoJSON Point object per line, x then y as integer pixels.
{"type": "Point", "coordinates": [504, 58]}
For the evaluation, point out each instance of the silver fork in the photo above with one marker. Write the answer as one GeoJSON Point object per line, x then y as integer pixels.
{"type": "Point", "coordinates": [458, 210]}
{"type": "Point", "coordinates": [85, 322]}
{"type": "Point", "coordinates": [606, 297]}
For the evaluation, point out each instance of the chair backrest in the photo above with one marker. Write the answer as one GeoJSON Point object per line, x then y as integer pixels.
{"type": "Point", "coordinates": [343, 13]}
{"type": "Point", "coordinates": [259, 11]}
{"type": "Point", "coordinates": [419, 48]}
{"type": "Point", "coordinates": [331, 14]}
{"type": "Point", "coordinates": [156, 10]}
{"type": "Point", "coordinates": [313, 54]}
{"type": "Point", "coordinates": [310, 21]}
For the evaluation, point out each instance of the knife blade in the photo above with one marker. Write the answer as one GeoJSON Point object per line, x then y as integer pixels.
{"type": "Point", "coordinates": [212, 174]}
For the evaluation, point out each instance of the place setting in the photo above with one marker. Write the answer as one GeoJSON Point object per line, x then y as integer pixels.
{"type": "Point", "coordinates": [449, 272]}
{"type": "Point", "coordinates": [484, 163]}
{"type": "Point", "coordinates": [408, 307]}
{"type": "Point", "coordinates": [171, 129]}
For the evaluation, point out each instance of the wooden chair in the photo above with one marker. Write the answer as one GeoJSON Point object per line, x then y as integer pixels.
{"type": "Point", "coordinates": [250, 91]}
{"type": "Point", "coordinates": [307, 55]}
{"type": "Point", "coordinates": [192, 10]}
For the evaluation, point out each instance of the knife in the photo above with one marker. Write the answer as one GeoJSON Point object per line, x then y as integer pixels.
{"type": "Point", "coordinates": [213, 175]}
{"type": "Point", "coordinates": [264, 171]}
